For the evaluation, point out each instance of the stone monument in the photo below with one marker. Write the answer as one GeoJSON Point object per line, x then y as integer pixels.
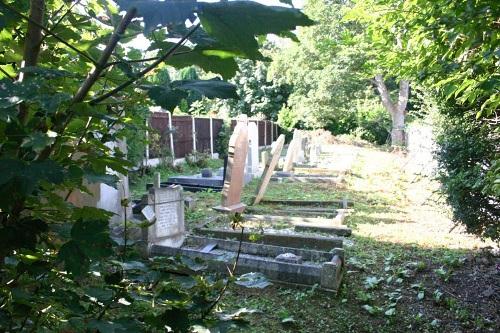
{"type": "Point", "coordinates": [235, 172]}
{"type": "Point", "coordinates": [292, 150]}
{"type": "Point", "coordinates": [166, 209]}
{"type": "Point", "coordinates": [252, 166]}
{"type": "Point", "coordinates": [269, 168]}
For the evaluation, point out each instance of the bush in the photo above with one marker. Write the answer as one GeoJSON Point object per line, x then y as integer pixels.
{"type": "Point", "coordinates": [373, 121]}
{"type": "Point", "coordinates": [222, 141]}
{"type": "Point", "coordinates": [468, 170]}
{"type": "Point", "coordinates": [197, 159]}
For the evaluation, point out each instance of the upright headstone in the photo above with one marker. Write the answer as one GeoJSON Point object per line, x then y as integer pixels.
{"type": "Point", "coordinates": [314, 153]}
{"type": "Point", "coordinates": [168, 207]}
{"type": "Point", "coordinates": [235, 172]}
{"type": "Point", "coordinates": [253, 150]}
{"type": "Point", "coordinates": [269, 169]}
{"type": "Point", "coordinates": [292, 151]}
{"type": "Point", "coordinates": [264, 157]}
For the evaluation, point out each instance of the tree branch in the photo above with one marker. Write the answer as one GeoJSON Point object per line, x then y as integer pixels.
{"type": "Point", "coordinates": [404, 88]}
{"type": "Point", "coordinates": [103, 59]}
{"type": "Point", "coordinates": [161, 59]}
{"type": "Point", "coordinates": [109, 64]}
{"type": "Point", "coordinates": [61, 18]}
{"type": "Point", "coordinates": [48, 32]}
{"type": "Point", "coordinates": [34, 33]}
{"type": "Point", "coordinates": [384, 93]}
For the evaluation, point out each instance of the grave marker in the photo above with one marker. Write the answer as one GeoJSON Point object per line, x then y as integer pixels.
{"type": "Point", "coordinates": [253, 150]}
{"type": "Point", "coordinates": [268, 170]}
{"type": "Point", "coordinates": [235, 172]}
{"type": "Point", "coordinates": [168, 208]}
{"type": "Point", "coordinates": [292, 150]}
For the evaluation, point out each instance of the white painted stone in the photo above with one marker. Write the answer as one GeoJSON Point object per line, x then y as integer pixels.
{"type": "Point", "coordinates": [252, 162]}
{"type": "Point", "coordinates": [168, 207]}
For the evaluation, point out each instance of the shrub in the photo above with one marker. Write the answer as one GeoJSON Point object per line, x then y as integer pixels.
{"type": "Point", "coordinates": [467, 155]}
{"type": "Point", "coordinates": [197, 159]}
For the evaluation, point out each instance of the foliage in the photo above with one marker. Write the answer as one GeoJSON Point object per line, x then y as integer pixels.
{"type": "Point", "coordinates": [258, 96]}
{"type": "Point", "coordinates": [64, 100]}
{"type": "Point", "coordinates": [324, 70]}
{"type": "Point", "coordinates": [451, 49]}
{"type": "Point", "coordinates": [467, 153]}
{"type": "Point", "coordinates": [198, 159]}
{"type": "Point", "coordinates": [222, 141]}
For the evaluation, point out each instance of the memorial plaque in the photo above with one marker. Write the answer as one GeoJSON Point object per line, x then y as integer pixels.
{"type": "Point", "coordinates": [168, 206]}
{"type": "Point", "coordinates": [269, 168]}
{"type": "Point", "coordinates": [235, 172]}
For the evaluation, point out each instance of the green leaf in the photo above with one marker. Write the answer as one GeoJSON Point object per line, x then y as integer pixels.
{"type": "Point", "coordinates": [253, 280]}
{"type": "Point", "coordinates": [390, 312]}
{"type": "Point", "coordinates": [100, 294]}
{"type": "Point", "coordinates": [237, 23]}
{"type": "Point", "coordinates": [37, 141]}
{"type": "Point", "coordinates": [166, 97]}
{"type": "Point", "coordinates": [92, 236]}
{"type": "Point", "coordinates": [208, 58]}
{"type": "Point", "coordinates": [168, 12]}
{"type": "Point", "coordinates": [213, 88]}
{"type": "Point", "coordinates": [75, 261]}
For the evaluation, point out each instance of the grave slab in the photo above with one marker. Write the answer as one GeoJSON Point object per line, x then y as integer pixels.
{"type": "Point", "coordinates": [318, 203]}
{"type": "Point", "coordinates": [278, 239]}
{"type": "Point", "coordinates": [325, 271]}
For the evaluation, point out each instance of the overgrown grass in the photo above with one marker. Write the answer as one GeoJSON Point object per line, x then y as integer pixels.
{"type": "Point", "coordinates": [405, 271]}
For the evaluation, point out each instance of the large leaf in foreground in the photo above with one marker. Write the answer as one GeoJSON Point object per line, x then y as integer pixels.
{"type": "Point", "coordinates": [236, 23]}
{"type": "Point", "coordinates": [213, 88]}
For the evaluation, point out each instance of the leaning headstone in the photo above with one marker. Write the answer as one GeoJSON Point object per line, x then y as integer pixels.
{"type": "Point", "coordinates": [291, 151]}
{"type": "Point", "coordinates": [269, 169]}
{"type": "Point", "coordinates": [235, 172]}
{"type": "Point", "coordinates": [253, 150]}
{"type": "Point", "coordinates": [167, 204]}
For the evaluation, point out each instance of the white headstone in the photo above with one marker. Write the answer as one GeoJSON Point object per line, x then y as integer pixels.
{"type": "Point", "coordinates": [252, 165]}
{"type": "Point", "coordinates": [291, 152]}
{"type": "Point", "coordinates": [168, 207]}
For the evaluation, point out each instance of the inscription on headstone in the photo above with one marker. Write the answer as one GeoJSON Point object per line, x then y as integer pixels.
{"type": "Point", "coordinates": [168, 207]}
{"type": "Point", "coordinates": [269, 168]}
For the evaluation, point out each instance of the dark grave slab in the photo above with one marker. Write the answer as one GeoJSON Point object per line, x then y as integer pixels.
{"type": "Point", "coordinates": [297, 241]}
{"type": "Point", "coordinates": [316, 267]}
{"type": "Point", "coordinates": [313, 224]}
{"type": "Point", "coordinates": [318, 203]}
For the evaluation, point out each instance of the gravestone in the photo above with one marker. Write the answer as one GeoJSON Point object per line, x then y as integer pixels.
{"type": "Point", "coordinates": [235, 172]}
{"type": "Point", "coordinates": [167, 204]}
{"type": "Point", "coordinates": [269, 169]}
{"type": "Point", "coordinates": [293, 147]}
{"type": "Point", "coordinates": [264, 157]}
{"type": "Point", "coordinates": [253, 150]}
{"type": "Point", "coordinates": [315, 151]}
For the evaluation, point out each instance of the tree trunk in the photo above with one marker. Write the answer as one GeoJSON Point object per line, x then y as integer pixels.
{"type": "Point", "coordinates": [396, 110]}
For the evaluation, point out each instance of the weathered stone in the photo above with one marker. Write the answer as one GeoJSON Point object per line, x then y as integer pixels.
{"type": "Point", "coordinates": [235, 172]}
{"type": "Point", "coordinates": [190, 203]}
{"type": "Point", "coordinates": [253, 150]}
{"type": "Point", "coordinates": [293, 147]}
{"type": "Point", "coordinates": [278, 239]}
{"type": "Point", "coordinates": [206, 173]}
{"type": "Point", "coordinates": [289, 257]}
{"type": "Point", "coordinates": [269, 169]}
{"type": "Point", "coordinates": [168, 206]}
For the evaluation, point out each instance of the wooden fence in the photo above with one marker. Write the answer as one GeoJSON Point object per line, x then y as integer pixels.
{"type": "Point", "coordinates": [181, 135]}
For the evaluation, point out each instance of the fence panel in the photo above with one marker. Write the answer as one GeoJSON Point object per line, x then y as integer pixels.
{"type": "Point", "coordinates": [261, 125]}
{"type": "Point", "coordinates": [183, 135]}
{"type": "Point", "coordinates": [269, 131]}
{"type": "Point", "coordinates": [202, 130]}
{"type": "Point", "coordinates": [159, 125]}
